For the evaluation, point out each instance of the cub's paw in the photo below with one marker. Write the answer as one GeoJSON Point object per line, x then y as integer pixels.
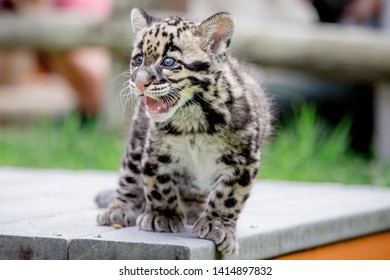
{"type": "Point", "coordinates": [161, 221]}
{"type": "Point", "coordinates": [222, 234]}
{"type": "Point", "coordinates": [122, 215]}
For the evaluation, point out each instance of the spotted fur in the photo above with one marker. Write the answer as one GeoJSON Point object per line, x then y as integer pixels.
{"type": "Point", "coordinates": [197, 135]}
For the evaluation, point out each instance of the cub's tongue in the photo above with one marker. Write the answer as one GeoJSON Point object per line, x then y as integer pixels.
{"type": "Point", "coordinates": [155, 106]}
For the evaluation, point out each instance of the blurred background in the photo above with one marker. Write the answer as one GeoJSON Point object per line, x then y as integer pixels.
{"type": "Point", "coordinates": [324, 63]}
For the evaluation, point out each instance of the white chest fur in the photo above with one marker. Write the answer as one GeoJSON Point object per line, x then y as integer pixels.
{"type": "Point", "coordinates": [198, 157]}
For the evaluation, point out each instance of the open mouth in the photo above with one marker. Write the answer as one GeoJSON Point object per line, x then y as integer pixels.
{"type": "Point", "coordinates": [159, 105]}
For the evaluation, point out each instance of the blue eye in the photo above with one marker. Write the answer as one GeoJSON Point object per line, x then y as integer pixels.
{"type": "Point", "coordinates": [138, 60]}
{"type": "Point", "coordinates": [168, 62]}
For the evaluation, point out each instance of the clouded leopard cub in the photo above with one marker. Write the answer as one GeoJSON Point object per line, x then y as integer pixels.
{"type": "Point", "coordinates": [197, 135]}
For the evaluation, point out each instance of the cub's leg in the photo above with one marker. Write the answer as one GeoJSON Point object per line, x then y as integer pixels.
{"type": "Point", "coordinates": [129, 201]}
{"type": "Point", "coordinates": [162, 210]}
{"type": "Point", "coordinates": [218, 221]}
{"type": "Point", "coordinates": [192, 201]}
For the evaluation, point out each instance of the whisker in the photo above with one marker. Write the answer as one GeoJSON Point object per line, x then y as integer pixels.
{"type": "Point", "coordinates": [125, 73]}
{"type": "Point", "coordinates": [126, 95]}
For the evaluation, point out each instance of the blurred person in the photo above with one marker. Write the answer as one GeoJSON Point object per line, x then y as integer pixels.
{"type": "Point", "coordinates": [85, 68]}
{"type": "Point", "coordinates": [8, 58]}
{"type": "Point", "coordinates": [358, 12]}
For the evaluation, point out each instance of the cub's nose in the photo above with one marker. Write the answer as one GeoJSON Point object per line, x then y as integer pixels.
{"type": "Point", "coordinates": [141, 85]}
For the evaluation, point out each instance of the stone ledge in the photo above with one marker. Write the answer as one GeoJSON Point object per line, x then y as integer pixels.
{"type": "Point", "coordinates": [50, 214]}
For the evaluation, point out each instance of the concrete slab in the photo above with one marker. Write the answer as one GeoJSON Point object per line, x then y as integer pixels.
{"type": "Point", "coordinates": [130, 243]}
{"type": "Point", "coordinates": [32, 248]}
{"type": "Point", "coordinates": [50, 214]}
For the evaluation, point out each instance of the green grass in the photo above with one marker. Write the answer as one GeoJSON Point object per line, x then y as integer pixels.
{"type": "Point", "coordinates": [66, 145]}
{"type": "Point", "coordinates": [305, 149]}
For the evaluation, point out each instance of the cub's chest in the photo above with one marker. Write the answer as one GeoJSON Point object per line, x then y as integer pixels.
{"type": "Point", "coordinates": [198, 156]}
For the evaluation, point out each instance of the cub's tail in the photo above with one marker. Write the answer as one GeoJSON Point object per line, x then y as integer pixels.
{"type": "Point", "coordinates": [104, 198]}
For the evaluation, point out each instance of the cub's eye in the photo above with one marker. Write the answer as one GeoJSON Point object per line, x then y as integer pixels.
{"type": "Point", "coordinates": [138, 60]}
{"type": "Point", "coordinates": [168, 62]}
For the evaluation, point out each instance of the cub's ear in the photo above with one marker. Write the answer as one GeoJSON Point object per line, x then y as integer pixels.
{"type": "Point", "coordinates": [216, 33]}
{"type": "Point", "coordinates": [140, 19]}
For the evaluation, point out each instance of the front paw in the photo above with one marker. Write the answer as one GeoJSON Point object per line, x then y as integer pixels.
{"type": "Point", "coordinates": [218, 231]}
{"type": "Point", "coordinates": [122, 215]}
{"type": "Point", "coordinates": [161, 221]}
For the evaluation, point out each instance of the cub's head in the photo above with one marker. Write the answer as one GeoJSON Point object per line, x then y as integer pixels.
{"type": "Point", "coordinates": [174, 59]}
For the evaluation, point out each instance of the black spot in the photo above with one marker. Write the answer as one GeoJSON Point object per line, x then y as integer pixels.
{"type": "Point", "coordinates": [164, 158]}
{"type": "Point", "coordinates": [133, 167]}
{"type": "Point", "coordinates": [141, 43]}
{"type": "Point", "coordinates": [228, 42]}
{"type": "Point", "coordinates": [230, 202]}
{"type": "Point", "coordinates": [246, 152]}
{"type": "Point", "coordinates": [251, 160]}
{"type": "Point", "coordinates": [166, 49]}
{"type": "Point", "coordinates": [219, 194]}
{"type": "Point", "coordinates": [172, 199]}
{"type": "Point", "coordinates": [174, 48]}
{"type": "Point", "coordinates": [212, 204]}
{"type": "Point", "coordinates": [245, 198]}
{"type": "Point", "coordinates": [213, 117]}
{"type": "Point", "coordinates": [166, 191]}
{"type": "Point", "coordinates": [130, 180]}
{"type": "Point", "coordinates": [136, 156]}
{"type": "Point", "coordinates": [162, 179]}
{"type": "Point", "coordinates": [170, 46]}
{"type": "Point", "coordinates": [149, 151]}
{"type": "Point", "coordinates": [245, 178]}
{"type": "Point", "coordinates": [204, 84]}
{"type": "Point", "coordinates": [178, 32]}
{"type": "Point", "coordinates": [177, 69]}
{"type": "Point", "coordinates": [197, 66]}
{"type": "Point", "coordinates": [130, 195]}
{"type": "Point", "coordinates": [214, 214]}
{"type": "Point", "coordinates": [156, 195]}
{"type": "Point", "coordinates": [230, 216]}
{"type": "Point", "coordinates": [229, 182]}
{"type": "Point", "coordinates": [164, 34]}
{"type": "Point", "coordinates": [150, 169]}
{"type": "Point", "coordinates": [228, 159]}
{"type": "Point", "coordinates": [157, 31]}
